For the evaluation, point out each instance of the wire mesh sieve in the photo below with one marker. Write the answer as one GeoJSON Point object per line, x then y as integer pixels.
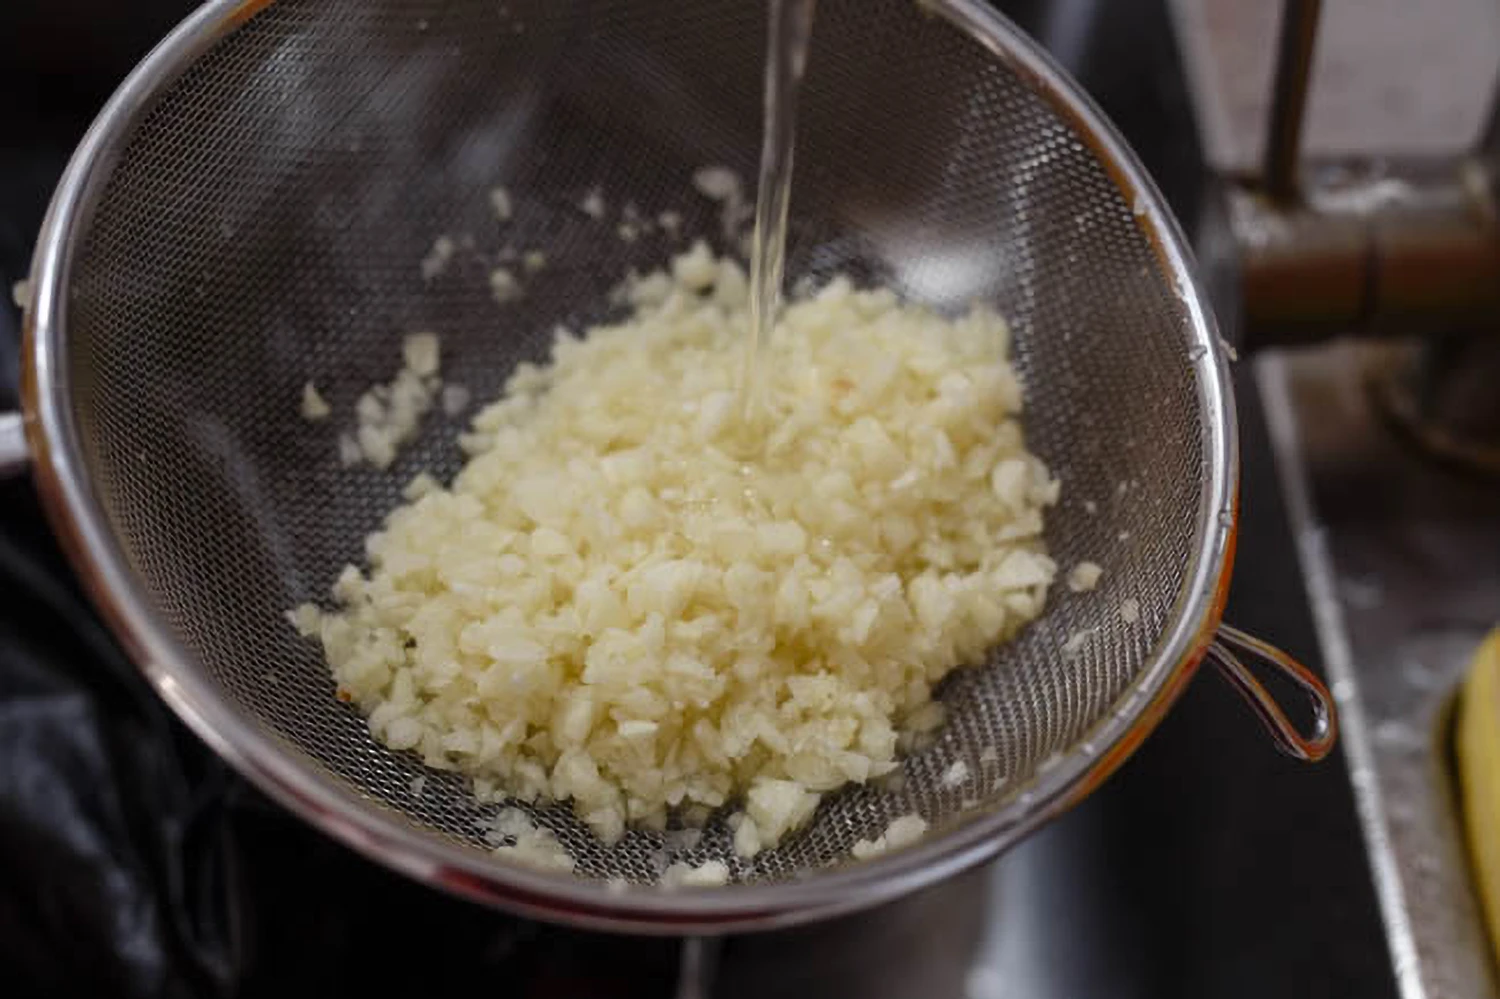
{"type": "Point", "coordinates": [249, 214]}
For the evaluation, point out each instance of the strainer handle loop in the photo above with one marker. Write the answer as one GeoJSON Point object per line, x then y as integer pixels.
{"type": "Point", "coordinates": [1284, 733]}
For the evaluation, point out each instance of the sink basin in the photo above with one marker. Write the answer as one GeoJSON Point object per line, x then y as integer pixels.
{"type": "Point", "coordinates": [1209, 866]}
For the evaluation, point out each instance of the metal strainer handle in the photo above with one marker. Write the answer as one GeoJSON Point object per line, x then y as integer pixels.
{"type": "Point", "coordinates": [1284, 732]}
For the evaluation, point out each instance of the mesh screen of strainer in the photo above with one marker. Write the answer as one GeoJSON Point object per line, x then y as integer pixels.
{"type": "Point", "coordinates": [264, 224]}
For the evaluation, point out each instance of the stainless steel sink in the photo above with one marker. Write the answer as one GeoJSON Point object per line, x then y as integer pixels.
{"type": "Point", "coordinates": [1209, 866]}
{"type": "Point", "coordinates": [1402, 556]}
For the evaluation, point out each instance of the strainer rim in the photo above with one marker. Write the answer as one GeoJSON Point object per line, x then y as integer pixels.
{"type": "Point", "coordinates": [258, 754]}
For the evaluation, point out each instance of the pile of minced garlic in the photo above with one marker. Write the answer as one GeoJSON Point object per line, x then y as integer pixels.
{"type": "Point", "coordinates": [617, 605]}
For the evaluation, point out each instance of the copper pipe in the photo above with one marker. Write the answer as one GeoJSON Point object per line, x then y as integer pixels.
{"type": "Point", "coordinates": [1369, 247]}
{"type": "Point", "coordinates": [1294, 57]}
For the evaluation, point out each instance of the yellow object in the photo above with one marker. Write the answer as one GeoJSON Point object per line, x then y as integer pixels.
{"type": "Point", "coordinates": [1478, 740]}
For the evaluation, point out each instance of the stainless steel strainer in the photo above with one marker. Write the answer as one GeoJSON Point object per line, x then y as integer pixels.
{"type": "Point", "coordinates": [249, 213]}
